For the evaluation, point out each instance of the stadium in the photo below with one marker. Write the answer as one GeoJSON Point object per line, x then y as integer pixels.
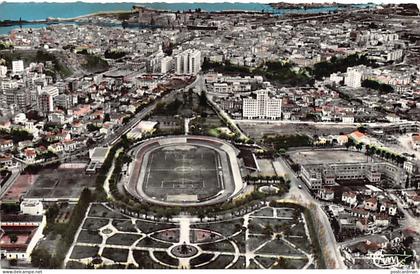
{"type": "Point", "coordinates": [184, 171]}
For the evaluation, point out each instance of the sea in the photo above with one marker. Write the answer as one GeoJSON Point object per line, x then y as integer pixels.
{"type": "Point", "coordinates": [43, 10]}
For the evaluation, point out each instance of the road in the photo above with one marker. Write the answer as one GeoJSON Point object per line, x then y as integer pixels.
{"type": "Point", "coordinates": [143, 113]}
{"type": "Point", "coordinates": [303, 196]}
{"type": "Point", "coordinates": [10, 181]}
{"type": "Point", "coordinates": [218, 110]}
{"type": "Point", "coordinates": [410, 221]}
{"type": "Point", "coordinates": [294, 122]}
{"type": "Point", "coordinates": [362, 238]}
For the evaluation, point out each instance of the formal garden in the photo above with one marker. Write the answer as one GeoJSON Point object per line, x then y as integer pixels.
{"type": "Point", "coordinates": [275, 236]}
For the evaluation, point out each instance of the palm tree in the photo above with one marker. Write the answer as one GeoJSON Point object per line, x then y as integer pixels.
{"type": "Point", "coordinates": [247, 178]}
{"type": "Point", "coordinates": [393, 157]}
{"type": "Point", "coordinates": [373, 150]}
{"type": "Point", "coordinates": [381, 153]}
{"type": "Point", "coordinates": [201, 215]}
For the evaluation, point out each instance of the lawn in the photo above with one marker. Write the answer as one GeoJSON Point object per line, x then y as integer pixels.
{"type": "Point", "coordinates": [265, 212]}
{"type": "Point", "coordinates": [264, 261]}
{"type": "Point", "coordinates": [225, 228]}
{"type": "Point", "coordinates": [81, 252]}
{"type": "Point", "coordinates": [89, 237]}
{"type": "Point", "coordinates": [94, 223]}
{"type": "Point", "coordinates": [278, 247]}
{"type": "Point", "coordinates": [224, 245]}
{"type": "Point", "coordinates": [115, 254]}
{"type": "Point", "coordinates": [239, 264]}
{"type": "Point", "coordinates": [255, 241]}
{"type": "Point", "coordinates": [124, 225]}
{"type": "Point", "coordinates": [203, 236]}
{"type": "Point", "coordinates": [201, 259]}
{"type": "Point", "coordinates": [165, 258]}
{"type": "Point", "coordinates": [221, 262]}
{"type": "Point", "coordinates": [123, 239]}
{"type": "Point", "coordinates": [98, 210]}
{"type": "Point", "coordinates": [148, 227]}
{"type": "Point", "coordinates": [240, 241]}
{"type": "Point", "coordinates": [144, 261]}
{"type": "Point", "coordinates": [171, 235]}
{"type": "Point", "coordinates": [149, 242]}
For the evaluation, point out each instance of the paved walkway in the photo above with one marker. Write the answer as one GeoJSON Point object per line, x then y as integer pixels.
{"type": "Point", "coordinates": [109, 174]}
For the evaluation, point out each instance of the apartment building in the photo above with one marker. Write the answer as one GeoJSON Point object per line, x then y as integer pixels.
{"type": "Point", "coordinates": [188, 62]}
{"type": "Point", "coordinates": [261, 106]}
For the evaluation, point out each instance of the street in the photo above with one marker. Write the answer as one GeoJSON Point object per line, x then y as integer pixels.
{"type": "Point", "coordinates": [303, 196]}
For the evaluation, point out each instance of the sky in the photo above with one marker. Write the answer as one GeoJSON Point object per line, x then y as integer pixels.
{"type": "Point", "coordinates": [218, 1]}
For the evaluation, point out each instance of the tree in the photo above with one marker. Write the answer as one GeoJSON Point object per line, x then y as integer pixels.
{"type": "Point", "coordinates": [52, 213]}
{"type": "Point", "coordinates": [393, 157]}
{"type": "Point", "coordinates": [203, 99]}
{"type": "Point", "coordinates": [408, 241]}
{"type": "Point", "coordinates": [91, 127]}
{"type": "Point", "coordinates": [13, 238]}
{"type": "Point", "coordinates": [125, 120]}
{"type": "Point", "coordinates": [107, 117]}
{"type": "Point", "coordinates": [201, 215]}
{"type": "Point", "coordinates": [282, 263]}
{"type": "Point", "coordinates": [268, 230]}
{"type": "Point", "coordinates": [41, 258]}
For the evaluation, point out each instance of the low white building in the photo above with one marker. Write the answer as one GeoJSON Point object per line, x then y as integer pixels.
{"type": "Point", "coordinates": [99, 154]}
{"type": "Point", "coordinates": [32, 207]}
{"type": "Point", "coordinates": [144, 127]}
{"type": "Point", "coordinates": [17, 67]}
{"type": "Point", "coordinates": [19, 234]}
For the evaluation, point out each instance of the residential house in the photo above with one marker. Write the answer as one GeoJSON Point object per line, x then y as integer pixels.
{"type": "Point", "coordinates": [365, 225]}
{"type": "Point", "coordinates": [370, 204]}
{"type": "Point", "coordinates": [29, 155]}
{"type": "Point", "coordinates": [389, 207]}
{"type": "Point", "coordinates": [349, 198]}
{"type": "Point", "coordinates": [56, 148]}
{"type": "Point", "coordinates": [326, 194]}
{"type": "Point", "coordinates": [6, 144]}
{"type": "Point", "coordinates": [381, 219]}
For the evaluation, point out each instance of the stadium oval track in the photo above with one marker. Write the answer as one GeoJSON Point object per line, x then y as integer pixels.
{"type": "Point", "coordinates": [184, 171]}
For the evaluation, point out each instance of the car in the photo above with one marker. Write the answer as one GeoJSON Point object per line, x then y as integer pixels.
{"type": "Point", "coordinates": [300, 186]}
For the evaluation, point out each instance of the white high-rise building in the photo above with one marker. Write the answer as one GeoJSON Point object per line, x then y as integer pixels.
{"type": "Point", "coordinates": [51, 90]}
{"type": "Point", "coordinates": [45, 98]}
{"type": "Point", "coordinates": [354, 76]}
{"type": "Point", "coordinates": [261, 106]}
{"type": "Point", "coordinates": [3, 71]}
{"type": "Point", "coordinates": [194, 62]}
{"type": "Point", "coordinates": [188, 62]}
{"type": "Point", "coordinates": [45, 102]}
{"type": "Point", "coordinates": [17, 67]}
{"type": "Point", "coordinates": [166, 64]}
